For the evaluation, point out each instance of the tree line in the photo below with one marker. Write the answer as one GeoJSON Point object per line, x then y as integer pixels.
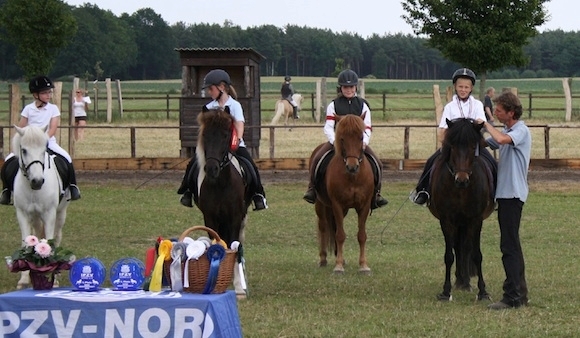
{"type": "Point", "coordinates": [140, 46]}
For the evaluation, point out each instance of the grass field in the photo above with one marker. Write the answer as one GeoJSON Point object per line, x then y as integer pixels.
{"type": "Point", "coordinates": [291, 297]}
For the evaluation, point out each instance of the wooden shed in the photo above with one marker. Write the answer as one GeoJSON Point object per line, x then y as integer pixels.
{"type": "Point", "coordinates": [243, 66]}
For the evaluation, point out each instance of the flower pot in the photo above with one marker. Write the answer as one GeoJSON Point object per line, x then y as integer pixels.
{"type": "Point", "coordinates": [41, 280]}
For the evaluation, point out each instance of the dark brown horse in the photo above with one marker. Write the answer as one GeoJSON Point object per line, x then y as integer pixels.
{"type": "Point", "coordinates": [462, 190]}
{"type": "Point", "coordinates": [348, 183]}
{"type": "Point", "coordinates": [223, 195]}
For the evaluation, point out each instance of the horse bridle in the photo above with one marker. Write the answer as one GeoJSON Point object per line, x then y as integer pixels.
{"type": "Point", "coordinates": [345, 157]}
{"type": "Point", "coordinates": [454, 172]}
{"type": "Point", "coordinates": [224, 162]}
{"type": "Point", "coordinates": [26, 168]}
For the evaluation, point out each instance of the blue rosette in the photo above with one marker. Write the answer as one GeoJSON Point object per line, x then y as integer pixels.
{"type": "Point", "coordinates": [215, 254]}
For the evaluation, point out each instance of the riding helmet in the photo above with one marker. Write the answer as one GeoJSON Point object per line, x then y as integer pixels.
{"type": "Point", "coordinates": [464, 73]}
{"type": "Point", "coordinates": [347, 78]}
{"type": "Point", "coordinates": [287, 78]}
{"type": "Point", "coordinates": [215, 77]}
{"type": "Point", "coordinates": [40, 83]}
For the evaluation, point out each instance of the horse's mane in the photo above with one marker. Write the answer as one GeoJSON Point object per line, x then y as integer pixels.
{"type": "Point", "coordinates": [349, 126]}
{"type": "Point", "coordinates": [32, 135]}
{"type": "Point", "coordinates": [218, 118]}
{"type": "Point", "coordinates": [461, 132]}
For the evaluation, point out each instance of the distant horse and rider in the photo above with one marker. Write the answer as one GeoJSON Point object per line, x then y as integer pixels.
{"type": "Point", "coordinates": [284, 108]}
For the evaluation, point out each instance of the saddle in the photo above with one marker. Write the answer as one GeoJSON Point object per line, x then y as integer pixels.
{"type": "Point", "coordinates": [62, 166]}
{"type": "Point", "coordinates": [320, 169]}
{"type": "Point", "coordinates": [245, 168]}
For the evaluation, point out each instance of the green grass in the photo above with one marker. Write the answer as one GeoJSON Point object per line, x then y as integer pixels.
{"type": "Point", "coordinates": [291, 297]}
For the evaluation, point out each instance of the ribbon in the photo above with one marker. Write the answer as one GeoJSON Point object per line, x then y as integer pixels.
{"type": "Point", "coordinates": [164, 253]}
{"type": "Point", "coordinates": [215, 254]}
{"type": "Point", "coordinates": [194, 250]}
{"type": "Point", "coordinates": [177, 254]}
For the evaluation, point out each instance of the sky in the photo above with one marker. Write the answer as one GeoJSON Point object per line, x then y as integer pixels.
{"type": "Point", "coordinates": [364, 17]}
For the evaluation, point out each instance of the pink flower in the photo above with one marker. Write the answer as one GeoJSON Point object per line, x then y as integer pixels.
{"type": "Point", "coordinates": [43, 249]}
{"type": "Point", "coordinates": [31, 240]}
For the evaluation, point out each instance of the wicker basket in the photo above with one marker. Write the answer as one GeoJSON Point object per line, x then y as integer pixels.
{"type": "Point", "coordinates": [198, 269]}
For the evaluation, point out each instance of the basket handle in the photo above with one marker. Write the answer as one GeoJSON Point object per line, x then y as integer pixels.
{"type": "Point", "coordinates": [211, 231]}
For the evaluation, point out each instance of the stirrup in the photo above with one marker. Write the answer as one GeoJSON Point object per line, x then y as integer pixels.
{"type": "Point", "coordinates": [420, 197]}
{"type": "Point", "coordinates": [259, 202]}
{"type": "Point", "coordinates": [75, 192]}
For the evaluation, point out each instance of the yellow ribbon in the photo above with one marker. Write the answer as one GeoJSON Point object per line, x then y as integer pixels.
{"type": "Point", "coordinates": [221, 242]}
{"type": "Point", "coordinates": [164, 253]}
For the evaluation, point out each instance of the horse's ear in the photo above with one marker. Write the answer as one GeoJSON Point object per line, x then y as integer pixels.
{"type": "Point", "coordinates": [478, 126]}
{"type": "Point", "coordinates": [227, 109]}
{"type": "Point", "coordinates": [449, 122]}
{"type": "Point", "coordinates": [204, 109]}
{"type": "Point", "coordinates": [19, 130]}
{"type": "Point", "coordinates": [337, 118]}
{"type": "Point", "coordinates": [45, 128]}
{"type": "Point", "coordinates": [363, 115]}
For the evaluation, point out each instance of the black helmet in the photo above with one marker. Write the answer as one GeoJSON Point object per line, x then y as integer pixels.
{"type": "Point", "coordinates": [287, 78]}
{"type": "Point", "coordinates": [40, 83]}
{"type": "Point", "coordinates": [347, 78]}
{"type": "Point", "coordinates": [464, 73]}
{"type": "Point", "coordinates": [215, 77]}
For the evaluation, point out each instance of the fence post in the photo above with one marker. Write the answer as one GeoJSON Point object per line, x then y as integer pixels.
{"type": "Point", "coordinates": [272, 142]}
{"type": "Point", "coordinates": [133, 142]}
{"type": "Point", "coordinates": [167, 105]}
{"type": "Point", "coordinates": [547, 142]}
{"type": "Point", "coordinates": [384, 105]}
{"type": "Point", "coordinates": [530, 105]}
{"type": "Point", "coordinates": [406, 143]}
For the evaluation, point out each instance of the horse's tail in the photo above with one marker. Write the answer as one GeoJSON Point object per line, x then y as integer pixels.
{"type": "Point", "coordinates": [279, 110]}
{"type": "Point", "coordinates": [464, 251]}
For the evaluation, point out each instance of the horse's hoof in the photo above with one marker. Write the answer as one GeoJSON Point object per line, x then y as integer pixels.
{"type": "Point", "coordinates": [484, 296]}
{"type": "Point", "coordinates": [444, 298]}
{"type": "Point", "coordinates": [365, 271]}
{"type": "Point", "coordinates": [338, 271]}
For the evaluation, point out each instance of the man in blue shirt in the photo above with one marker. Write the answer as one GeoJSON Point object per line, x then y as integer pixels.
{"type": "Point", "coordinates": [514, 144]}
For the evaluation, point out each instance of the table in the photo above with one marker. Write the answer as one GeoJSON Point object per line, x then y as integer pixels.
{"type": "Point", "coordinates": [63, 312]}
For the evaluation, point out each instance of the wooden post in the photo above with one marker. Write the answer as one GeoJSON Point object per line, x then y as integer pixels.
{"type": "Point", "coordinates": [119, 97]}
{"type": "Point", "coordinates": [57, 100]}
{"type": "Point", "coordinates": [361, 88]}
{"type": "Point", "coordinates": [109, 100]}
{"type": "Point", "coordinates": [316, 112]}
{"type": "Point", "coordinates": [568, 98]}
{"type": "Point", "coordinates": [323, 101]}
{"type": "Point", "coordinates": [438, 112]}
{"type": "Point", "coordinates": [14, 112]}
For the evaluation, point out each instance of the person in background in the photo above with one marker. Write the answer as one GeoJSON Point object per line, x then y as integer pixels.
{"type": "Point", "coordinates": [515, 146]}
{"type": "Point", "coordinates": [462, 105]}
{"type": "Point", "coordinates": [488, 104]}
{"type": "Point", "coordinates": [80, 105]}
{"type": "Point", "coordinates": [287, 91]}
{"type": "Point", "coordinates": [347, 102]}
{"type": "Point", "coordinates": [218, 85]}
{"type": "Point", "coordinates": [40, 113]}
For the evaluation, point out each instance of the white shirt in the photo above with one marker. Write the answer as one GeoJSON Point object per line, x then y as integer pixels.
{"type": "Point", "coordinates": [331, 122]}
{"type": "Point", "coordinates": [236, 111]}
{"type": "Point", "coordinates": [79, 107]}
{"type": "Point", "coordinates": [456, 108]}
{"type": "Point", "coordinates": [40, 117]}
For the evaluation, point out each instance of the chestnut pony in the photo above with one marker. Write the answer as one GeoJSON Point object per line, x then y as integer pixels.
{"type": "Point", "coordinates": [348, 184]}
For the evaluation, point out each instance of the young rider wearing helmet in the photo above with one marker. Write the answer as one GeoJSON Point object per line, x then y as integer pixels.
{"type": "Point", "coordinates": [462, 105]}
{"type": "Point", "coordinates": [40, 113]}
{"type": "Point", "coordinates": [218, 85]}
{"type": "Point", "coordinates": [347, 102]}
{"type": "Point", "coordinates": [287, 91]}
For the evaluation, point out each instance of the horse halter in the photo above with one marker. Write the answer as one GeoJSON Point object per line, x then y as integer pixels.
{"type": "Point", "coordinates": [26, 168]}
{"type": "Point", "coordinates": [345, 156]}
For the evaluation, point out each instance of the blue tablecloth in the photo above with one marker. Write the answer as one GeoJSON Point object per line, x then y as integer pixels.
{"type": "Point", "coordinates": [63, 312]}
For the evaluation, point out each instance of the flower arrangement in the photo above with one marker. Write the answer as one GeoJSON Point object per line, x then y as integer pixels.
{"type": "Point", "coordinates": [41, 255]}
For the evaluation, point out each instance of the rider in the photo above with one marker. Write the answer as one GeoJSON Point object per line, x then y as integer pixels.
{"type": "Point", "coordinates": [219, 86]}
{"type": "Point", "coordinates": [39, 113]}
{"type": "Point", "coordinates": [347, 102]}
{"type": "Point", "coordinates": [287, 91]}
{"type": "Point", "coordinates": [462, 105]}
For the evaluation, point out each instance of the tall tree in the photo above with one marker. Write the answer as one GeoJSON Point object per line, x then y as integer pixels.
{"type": "Point", "coordinates": [38, 29]}
{"type": "Point", "coordinates": [483, 35]}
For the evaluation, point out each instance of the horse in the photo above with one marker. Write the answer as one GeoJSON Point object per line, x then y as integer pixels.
{"type": "Point", "coordinates": [284, 108]}
{"type": "Point", "coordinates": [462, 196]}
{"type": "Point", "coordinates": [348, 183]}
{"type": "Point", "coordinates": [224, 196]}
{"type": "Point", "coordinates": [39, 197]}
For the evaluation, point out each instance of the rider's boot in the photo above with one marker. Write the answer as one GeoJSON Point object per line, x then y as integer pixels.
{"type": "Point", "coordinates": [295, 112]}
{"type": "Point", "coordinates": [421, 197]}
{"type": "Point", "coordinates": [379, 201]}
{"type": "Point", "coordinates": [310, 194]}
{"type": "Point", "coordinates": [187, 199]}
{"type": "Point", "coordinates": [75, 192]}
{"type": "Point", "coordinates": [8, 174]}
